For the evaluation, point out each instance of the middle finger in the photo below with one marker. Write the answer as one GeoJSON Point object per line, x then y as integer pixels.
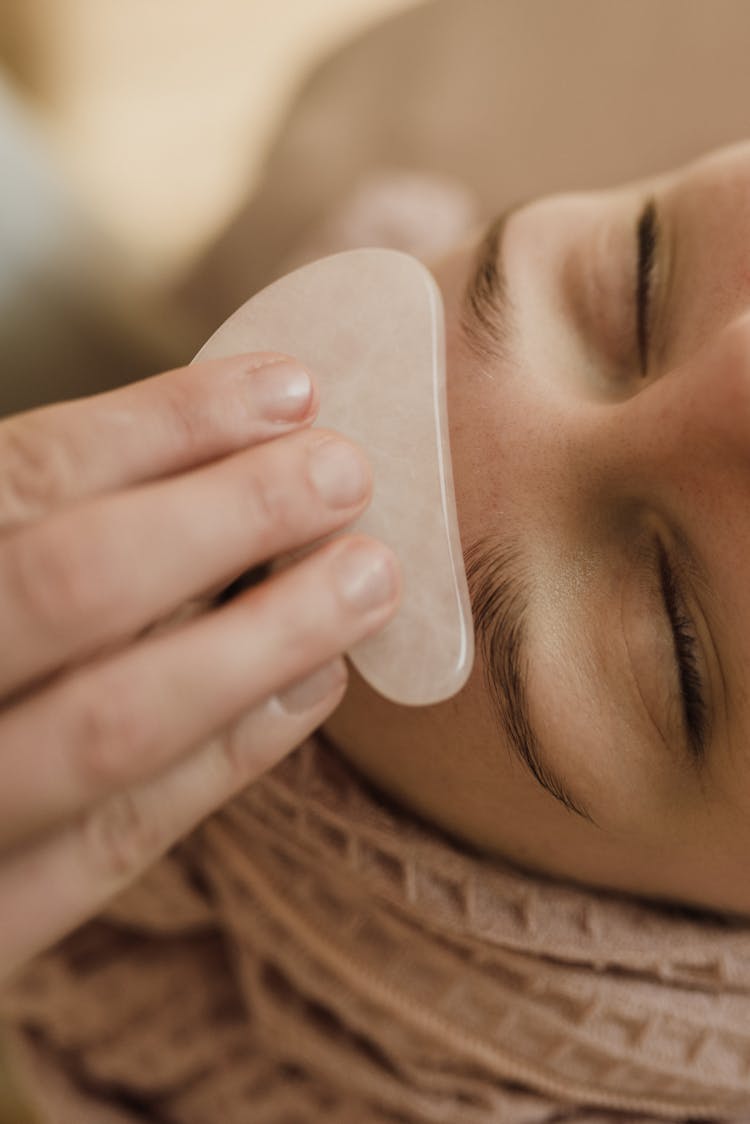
{"type": "Point", "coordinates": [102, 572]}
{"type": "Point", "coordinates": [126, 717]}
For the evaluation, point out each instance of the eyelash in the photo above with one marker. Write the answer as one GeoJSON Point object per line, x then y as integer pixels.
{"type": "Point", "coordinates": [694, 707]}
{"type": "Point", "coordinates": [647, 232]}
{"type": "Point", "coordinates": [686, 649]}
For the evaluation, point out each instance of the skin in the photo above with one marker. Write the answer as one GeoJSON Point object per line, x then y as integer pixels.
{"type": "Point", "coordinates": [144, 722]}
{"type": "Point", "coordinates": [132, 704]}
{"type": "Point", "coordinates": [567, 446]}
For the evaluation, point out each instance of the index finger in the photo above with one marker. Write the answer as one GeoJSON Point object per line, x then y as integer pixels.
{"type": "Point", "coordinates": [61, 454]}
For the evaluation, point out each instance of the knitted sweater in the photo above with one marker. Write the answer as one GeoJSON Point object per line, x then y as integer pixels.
{"type": "Point", "coordinates": [312, 954]}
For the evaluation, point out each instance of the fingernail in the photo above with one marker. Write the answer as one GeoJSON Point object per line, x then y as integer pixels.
{"type": "Point", "coordinates": [282, 391]}
{"type": "Point", "coordinates": [313, 689]}
{"type": "Point", "coordinates": [367, 576]}
{"type": "Point", "coordinates": [338, 472]}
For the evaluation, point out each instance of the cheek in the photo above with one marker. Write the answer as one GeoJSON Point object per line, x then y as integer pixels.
{"type": "Point", "coordinates": [486, 795]}
{"type": "Point", "coordinates": [586, 704]}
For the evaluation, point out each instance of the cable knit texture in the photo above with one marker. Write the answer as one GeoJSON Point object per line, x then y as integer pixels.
{"type": "Point", "coordinates": [312, 954]}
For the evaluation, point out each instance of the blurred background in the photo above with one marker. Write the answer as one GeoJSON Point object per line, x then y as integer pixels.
{"type": "Point", "coordinates": [158, 115]}
{"type": "Point", "coordinates": [129, 134]}
{"type": "Point", "coordinates": [163, 159]}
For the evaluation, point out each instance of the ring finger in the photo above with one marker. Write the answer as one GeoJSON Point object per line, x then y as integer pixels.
{"type": "Point", "coordinates": [55, 884]}
{"type": "Point", "coordinates": [115, 723]}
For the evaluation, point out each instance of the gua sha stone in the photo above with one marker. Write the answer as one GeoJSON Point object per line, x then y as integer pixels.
{"type": "Point", "coordinates": [369, 325]}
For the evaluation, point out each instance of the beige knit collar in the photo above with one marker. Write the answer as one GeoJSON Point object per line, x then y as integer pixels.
{"type": "Point", "coordinates": [369, 970]}
{"type": "Point", "coordinates": [459, 964]}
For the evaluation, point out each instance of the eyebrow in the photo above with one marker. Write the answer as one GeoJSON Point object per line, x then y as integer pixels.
{"type": "Point", "coordinates": [487, 315]}
{"type": "Point", "coordinates": [499, 594]}
{"type": "Point", "coordinates": [499, 598]}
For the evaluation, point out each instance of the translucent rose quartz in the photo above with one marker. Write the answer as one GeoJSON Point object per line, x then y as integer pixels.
{"type": "Point", "coordinates": [369, 325]}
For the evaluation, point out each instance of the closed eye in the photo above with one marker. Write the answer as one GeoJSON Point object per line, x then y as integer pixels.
{"type": "Point", "coordinates": [692, 692]}
{"type": "Point", "coordinates": [647, 238]}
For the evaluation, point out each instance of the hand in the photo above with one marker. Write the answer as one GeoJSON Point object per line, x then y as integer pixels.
{"type": "Point", "coordinates": [116, 737]}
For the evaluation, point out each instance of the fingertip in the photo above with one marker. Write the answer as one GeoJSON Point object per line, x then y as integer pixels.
{"type": "Point", "coordinates": [282, 391]}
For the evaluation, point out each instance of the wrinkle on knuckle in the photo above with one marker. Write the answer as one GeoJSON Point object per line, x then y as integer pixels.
{"type": "Point", "coordinates": [121, 836]}
{"type": "Point", "coordinates": [187, 416]}
{"type": "Point", "coordinates": [255, 744]}
{"type": "Point", "coordinates": [55, 579]}
{"type": "Point", "coordinates": [36, 471]}
{"type": "Point", "coordinates": [235, 748]}
{"type": "Point", "coordinates": [269, 506]}
{"type": "Point", "coordinates": [110, 736]}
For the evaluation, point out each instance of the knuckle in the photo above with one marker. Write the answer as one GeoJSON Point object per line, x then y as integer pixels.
{"type": "Point", "coordinates": [186, 413]}
{"type": "Point", "coordinates": [278, 491]}
{"type": "Point", "coordinates": [110, 735]}
{"type": "Point", "coordinates": [249, 748]}
{"type": "Point", "coordinates": [121, 836]}
{"type": "Point", "coordinates": [57, 581]}
{"type": "Point", "coordinates": [307, 630]}
{"type": "Point", "coordinates": [36, 474]}
{"type": "Point", "coordinates": [235, 756]}
{"type": "Point", "coordinates": [270, 507]}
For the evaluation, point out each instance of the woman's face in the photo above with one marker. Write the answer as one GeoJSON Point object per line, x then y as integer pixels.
{"type": "Point", "coordinates": [599, 408]}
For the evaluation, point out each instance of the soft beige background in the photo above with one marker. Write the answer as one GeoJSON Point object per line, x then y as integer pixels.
{"type": "Point", "coordinates": [130, 132]}
{"type": "Point", "coordinates": [160, 111]}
